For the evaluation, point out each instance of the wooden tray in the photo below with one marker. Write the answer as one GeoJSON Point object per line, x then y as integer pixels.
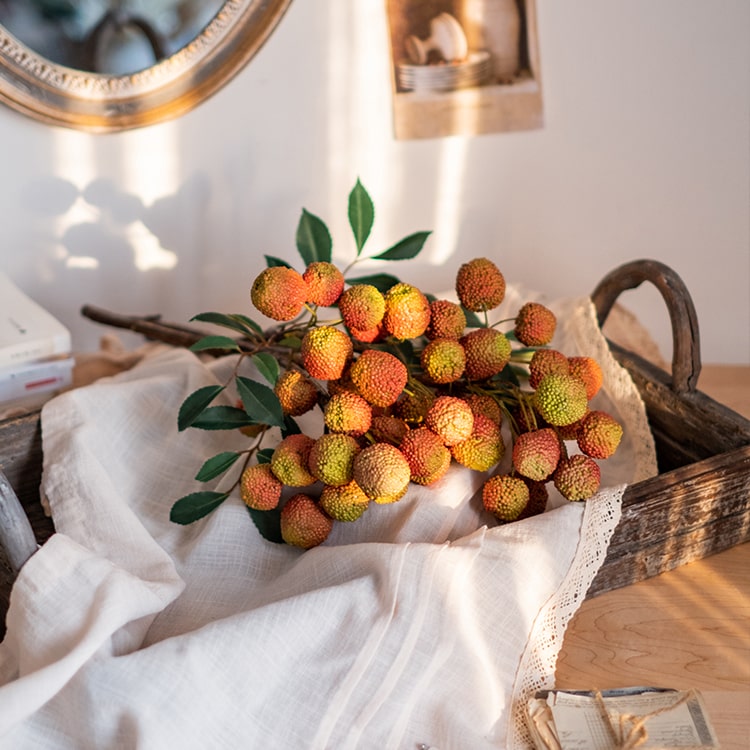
{"type": "Point", "coordinates": [698, 505]}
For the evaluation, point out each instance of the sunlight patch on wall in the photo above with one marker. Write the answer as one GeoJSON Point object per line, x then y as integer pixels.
{"type": "Point", "coordinates": [448, 191]}
{"type": "Point", "coordinates": [149, 253]}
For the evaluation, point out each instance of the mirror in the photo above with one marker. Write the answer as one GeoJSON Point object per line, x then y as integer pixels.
{"type": "Point", "coordinates": [109, 65]}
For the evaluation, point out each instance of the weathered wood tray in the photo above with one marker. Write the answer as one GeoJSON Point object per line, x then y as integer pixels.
{"type": "Point", "coordinates": [698, 505]}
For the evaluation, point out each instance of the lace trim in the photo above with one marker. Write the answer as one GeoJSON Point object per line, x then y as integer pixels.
{"type": "Point", "coordinates": [536, 670]}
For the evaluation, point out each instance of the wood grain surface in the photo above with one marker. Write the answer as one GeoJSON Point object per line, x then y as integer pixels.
{"type": "Point", "coordinates": [686, 628]}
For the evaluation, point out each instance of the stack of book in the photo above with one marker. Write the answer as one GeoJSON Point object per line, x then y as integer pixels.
{"type": "Point", "coordinates": [36, 361]}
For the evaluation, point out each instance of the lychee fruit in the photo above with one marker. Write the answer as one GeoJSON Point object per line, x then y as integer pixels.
{"type": "Point", "coordinates": [325, 352]}
{"type": "Point", "coordinates": [535, 324]}
{"type": "Point", "coordinates": [487, 352]}
{"type": "Point", "coordinates": [451, 419]}
{"type": "Point", "coordinates": [345, 502]}
{"type": "Point", "coordinates": [560, 399]}
{"type": "Point", "coordinates": [279, 293]}
{"type": "Point", "coordinates": [407, 311]}
{"type": "Point", "coordinates": [349, 413]}
{"type": "Point", "coordinates": [589, 371]}
{"type": "Point", "coordinates": [443, 361]}
{"type": "Point", "coordinates": [386, 428]}
{"type": "Point", "coordinates": [428, 458]}
{"type": "Point", "coordinates": [289, 461]}
{"type": "Point", "coordinates": [536, 454]}
{"type": "Point", "coordinates": [545, 361]}
{"type": "Point", "coordinates": [480, 285]}
{"type": "Point", "coordinates": [332, 457]}
{"type": "Point", "coordinates": [599, 434]}
{"type": "Point", "coordinates": [483, 403]}
{"type": "Point", "coordinates": [379, 376]}
{"type": "Point", "coordinates": [297, 394]}
{"type": "Point", "coordinates": [324, 283]}
{"type": "Point", "coordinates": [447, 320]}
{"type": "Point", "coordinates": [382, 471]}
{"type": "Point", "coordinates": [505, 497]}
{"type": "Point", "coordinates": [413, 405]}
{"type": "Point", "coordinates": [577, 477]}
{"type": "Point", "coordinates": [538, 498]}
{"type": "Point", "coordinates": [483, 448]}
{"type": "Point", "coordinates": [362, 307]}
{"type": "Point", "coordinates": [304, 523]}
{"type": "Point", "coordinates": [259, 488]}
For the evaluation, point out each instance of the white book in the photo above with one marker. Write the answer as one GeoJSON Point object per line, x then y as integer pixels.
{"type": "Point", "coordinates": [28, 333]}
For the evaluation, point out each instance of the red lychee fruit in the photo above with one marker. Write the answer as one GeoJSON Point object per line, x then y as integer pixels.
{"type": "Point", "coordinates": [447, 320]}
{"type": "Point", "coordinates": [279, 293]}
{"type": "Point", "coordinates": [480, 285]}
{"type": "Point", "coordinates": [304, 523]}
{"type": "Point", "coordinates": [325, 352]}
{"type": "Point", "coordinates": [379, 376]}
{"type": "Point", "coordinates": [577, 477]}
{"type": "Point", "coordinates": [324, 283]}
{"type": "Point", "coordinates": [487, 352]}
{"type": "Point", "coordinates": [505, 497]}
{"type": "Point", "coordinates": [535, 324]}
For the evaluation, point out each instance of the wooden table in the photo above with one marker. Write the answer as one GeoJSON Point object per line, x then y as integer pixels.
{"type": "Point", "coordinates": [686, 628]}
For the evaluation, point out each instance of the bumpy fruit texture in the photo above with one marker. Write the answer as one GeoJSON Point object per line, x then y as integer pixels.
{"type": "Point", "coordinates": [545, 361]}
{"type": "Point", "coordinates": [480, 285]}
{"type": "Point", "coordinates": [588, 370]}
{"type": "Point", "coordinates": [325, 352]}
{"type": "Point", "coordinates": [443, 361]}
{"type": "Point", "coordinates": [536, 454]}
{"type": "Point", "coordinates": [382, 471]}
{"type": "Point", "coordinates": [349, 413]}
{"type": "Point", "coordinates": [297, 394]}
{"type": "Point", "coordinates": [451, 419]}
{"type": "Point", "coordinates": [279, 293]}
{"type": "Point", "coordinates": [538, 498]}
{"type": "Point", "coordinates": [413, 406]}
{"type": "Point", "coordinates": [577, 477]}
{"type": "Point", "coordinates": [447, 320]}
{"type": "Point", "coordinates": [505, 497]}
{"type": "Point", "coordinates": [407, 311]}
{"type": "Point", "coordinates": [259, 488]}
{"type": "Point", "coordinates": [362, 307]}
{"type": "Point", "coordinates": [535, 324]}
{"type": "Point", "coordinates": [379, 377]}
{"type": "Point", "coordinates": [426, 455]}
{"type": "Point", "coordinates": [482, 403]}
{"type": "Point", "coordinates": [331, 458]}
{"type": "Point", "coordinates": [289, 461]}
{"type": "Point", "coordinates": [560, 399]}
{"type": "Point", "coordinates": [304, 523]}
{"type": "Point", "coordinates": [324, 283]}
{"type": "Point", "coordinates": [599, 434]}
{"type": "Point", "coordinates": [483, 448]}
{"type": "Point", "coordinates": [371, 335]}
{"type": "Point", "coordinates": [344, 503]}
{"type": "Point", "coordinates": [487, 352]}
{"type": "Point", "coordinates": [386, 428]}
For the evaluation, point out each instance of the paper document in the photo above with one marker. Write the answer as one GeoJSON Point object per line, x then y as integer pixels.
{"type": "Point", "coordinates": [643, 718]}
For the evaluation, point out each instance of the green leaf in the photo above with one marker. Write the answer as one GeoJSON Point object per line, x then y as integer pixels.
{"type": "Point", "coordinates": [293, 342]}
{"type": "Point", "coordinates": [268, 523]}
{"type": "Point", "coordinates": [216, 465]}
{"type": "Point", "coordinates": [407, 248]}
{"type": "Point", "coordinates": [196, 505]}
{"type": "Point", "coordinates": [196, 404]}
{"type": "Point", "coordinates": [249, 322]}
{"type": "Point", "coordinates": [267, 366]}
{"type": "Point", "coordinates": [381, 281]}
{"type": "Point", "coordinates": [223, 418]}
{"type": "Point", "coordinates": [260, 402]}
{"type": "Point", "coordinates": [225, 343]}
{"type": "Point", "coordinates": [361, 215]}
{"type": "Point", "coordinates": [272, 261]}
{"type": "Point", "coordinates": [235, 322]}
{"type": "Point", "coordinates": [473, 320]}
{"type": "Point", "coordinates": [264, 456]}
{"type": "Point", "coordinates": [290, 427]}
{"type": "Point", "coordinates": [313, 239]}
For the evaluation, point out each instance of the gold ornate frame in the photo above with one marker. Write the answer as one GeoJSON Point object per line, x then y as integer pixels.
{"type": "Point", "coordinates": [58, 95]}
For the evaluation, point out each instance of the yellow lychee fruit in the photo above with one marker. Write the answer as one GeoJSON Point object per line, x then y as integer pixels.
{"type": "Point", "coordinates": [289, 461]}
{"type": "Point", "coordinates": [407, 311]}
{"type": "Point", "coordinates": [325, 352]}
{"type": "Point", "coordinates": [346, 502]}
{"type": "Point", "coordinates": [560, 399]}
{"type": "Point", "coordinates": [362, 307]}
{"type": "Point", "coordinates": [349, 413]}
{"type": "Point", "coordinates": [332, 457]}
{"type": "Point", "coordinates": [279, 293]}
{"type": "Point", "coordinates": [483, 448]}
{"type": "Point", "coordinates": [382, 471]}
{"type": "Point", "coordinates": [443, 361]}
{"type": "Point", "coordinates": [451, 418]}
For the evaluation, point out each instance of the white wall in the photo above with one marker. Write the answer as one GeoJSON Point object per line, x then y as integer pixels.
{"type": "Point", "coordinates": [645, 153]}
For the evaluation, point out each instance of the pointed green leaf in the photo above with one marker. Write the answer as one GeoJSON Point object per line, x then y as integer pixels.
{"type": "Point", "coordinates": [251, 325]}
{"type": "Point", "coordinates": [361, 215]}
{"type": "Point", "coordinates": [290, 427]}
{"type": "Point", "coordinates": [267, 366]}
{"type": "Point", "coordinates": [195, 405]}
{"type": "Point", "coordinates": [381, 281]}
{"type": "Point", "coordinates": [268, 523]}
{"type": "Point", "coordinates": [473, 320]}
{"type": "Point", "coordinates": [225, 343]}
{"type": "Point", "coordinates": [407, 248]}
{"type": "Point", "coordinates": [264, 455]}
{"type": "Point", "coordinates": [216, 465]}
{"type": "Point", "coordinates": [196, 505]}
{"type": "Point", "coordinates": [235, 322]}
{"type": "Point", "coordinates": [272, 261]}
{"type": "Point", "coordinates": [313, 239]}
{"type": "Point", "coordinates": [222, 418]}
{"type": "Point", "coordinates": [293, 342]}
{"type": "Point", "coordinates": [260, 402]}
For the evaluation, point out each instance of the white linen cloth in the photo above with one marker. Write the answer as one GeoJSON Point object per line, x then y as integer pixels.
{"type": "Point", "coordinates": [421, 623]}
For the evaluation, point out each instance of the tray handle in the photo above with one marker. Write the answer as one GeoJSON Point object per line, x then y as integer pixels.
{"type": "Point", "coordinates": [686, 357]}
{"type": "Point", "coordinates": [16, 534]}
